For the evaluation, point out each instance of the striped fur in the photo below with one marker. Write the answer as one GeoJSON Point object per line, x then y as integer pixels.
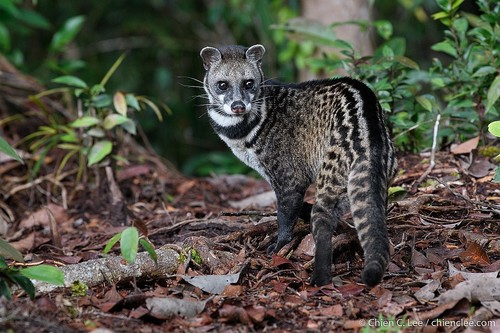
{"type": "Point", "coordinates": [331, 132]}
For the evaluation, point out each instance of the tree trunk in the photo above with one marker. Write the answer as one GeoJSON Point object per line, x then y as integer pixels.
{"type": "Point", "coordinates": [327, 12]}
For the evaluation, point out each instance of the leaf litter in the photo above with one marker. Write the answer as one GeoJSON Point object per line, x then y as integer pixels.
{"type": "Point", "coordinates": [445, 257]}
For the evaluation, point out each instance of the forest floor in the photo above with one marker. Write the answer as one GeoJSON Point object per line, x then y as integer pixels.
{"type": "Point", "coordinates": [443, 274]}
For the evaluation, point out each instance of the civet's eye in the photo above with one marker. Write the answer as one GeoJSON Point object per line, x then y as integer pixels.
{"type": "Point", "coordinates": [249, 84]}
{"type": "Point", "coordinates": [222, 85]}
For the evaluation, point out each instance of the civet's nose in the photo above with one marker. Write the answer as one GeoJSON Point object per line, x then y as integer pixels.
{"type": "Point", "coordinates": [238, 107]}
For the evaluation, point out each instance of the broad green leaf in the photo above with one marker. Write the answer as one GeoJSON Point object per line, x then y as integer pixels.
{"type": "Point", "coordinates": [3, 264]}
{"type": "Point", "coordinates": [440, 15]}
{"type": "Point", "coordinates": [102, 101]}
{"type": "Point", "coordinates": [69, 138]}
{"type": "Point", "coordinates": [120, 103]}
{"type": "Point", "coordinates": [493, 93]}
{"type": "Point", "coordinates": [113, 120]}
{"type": "Point", "coordinates": [71, 80]}
{"type": "Point", "coordinates": [445, 47]}
{"type": "Point", "coordinates": [485, 70]}
{"type": "Point", "coordinates": [67, 33]}
{"type": "Point", "coordinates": [8, 251]}
{"type": "Point", "coordinates": [23, 282]}
{"type": "Point", "coordinates": [425, 102]}
{"type": "Point", "coordinates": [129, 244]}
{"type": "Point", "coordinates": [132, 102]}
{"type": "Point", "coordinates": [8, 150]}
{"type": "Point", "coordinates": [146, 244]}
{"type": "Point", "coordinates": [129, 126]}
{"type": "Point", "coordinates": [496, 179]}
{"type": "Point", "coordinates": [405, 61]}
{"type": "Point", "coordinates": [33, 19]}
{"type": "Point", "coordinates": [444, 4]}
{"type": "Point", "coordinates": [44, 273]}
{"type": "Point", "coordinates": [461, 25]}
{"type": "Point", "coordinates": [99, 151]}
{"type": "Point", "coordinates": [85, 121]}
{"type": "Point", "coordinates": [4, 38]}
{"type": "Point", "coordinates": [384, 28]}
{"type": "Point", "coordinates": [494, 128]}
{"type": "Point", "coordinates": [456, 4]}
{"type": "Point", "coordinates": [4, 289]}
{"type": "Point", "coordinates": [96, 132]}
{"type": "Point", "coordinates": [111, 243]}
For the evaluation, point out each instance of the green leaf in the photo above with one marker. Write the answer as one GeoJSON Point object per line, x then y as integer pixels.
{"type": "Point", "coordinates": [8, 150]}
{"type": "Point", "coordinates": [85, 121]}
{"type": "Point", "coordinates": [23, 282]}
{"type": "Point", "coordinates": [129, 244]}
{"type": "Point", "coordinates": [496, 179]}
{"type": "Point", "coordinates": [99, 150]}
{"type": "Point", "coordinates": [493, 93]}
{"type": "Point", "coordinates": [8, 251]}
{"type": "Point", "coordinates": [444, 5]}
{"type": "Point", "coordinates": [96, 132]}
{"type": "Point", "coordinates": [113, 120]}
{"type": "Point", "coordinates": [425, 102]}
{"type": "Point", "coordinates": [146, 244]}
{"type": "Point", "coordinates": [485, 70]}
{"type": "Point", "coordinates": [4, 38]}
{"type": "Point", "coordinates": [445, 47]}
{"type": "Point", "coordinates": [71, 80]}
{"type": "Point", "coordinates": [384, 28]}
{"type": "Point", "coordinates": [112, 242]}
{"type": "Point", "coordinates": [460, 25]}
{"type": "Point", "coordinates": [67, 33]}
{"type": "Point", "coordinates": [4, 289]}
{"type": "Point", "coordinates": [494, 128]}
{"type": "Point", "coordinates": [120, 103]}
{"type": "Point", "coordinates": [407, 62]}
{"type": "Point", "coordinates": [102, 101]}
{"type": "Point", "coordinates": [132, 102]}
{"type": "Point", "coordinates": [44, 273]}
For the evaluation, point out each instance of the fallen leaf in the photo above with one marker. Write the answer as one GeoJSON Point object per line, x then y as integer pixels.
{"type": "Point", "coordinates": [477, 290]}
{"type": "Point", "coordinates": [332, 311]}
{"type": "Point", "coordinates": [256, 312]}
{"type": "Point", "coordinates": [234, 313]}
{"type": "Point", "coordinates": [261, 200]}
{"type": "Point", "coordinates": [25, 244]}
{"type": "Point", "coordinates": [474, 254]}
{"type": "Point", "coordinates": [306, 246]}
{"type": "Point", "coordinates": [418, 259]}
{"type": "Point", "coordinates": [41, 216]}
{"type": "Point", "coordinates": [214, 284]}
{"type": "Point", "coordinates": [465, 147]}
{"type": "Point", "coordinates": [280, 261]}
{"type": "Point", "coordinates": [167, 307]}
{"type": "Point", "coordinates": [452, 271]}
{"type": "Point", "coordinates": [232, 291]}
{"type": "Point", "coordinates": [426, 293]}
{"type": "Point", "coordinates": [351, 289]}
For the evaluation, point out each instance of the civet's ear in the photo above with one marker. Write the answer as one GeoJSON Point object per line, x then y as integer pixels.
{"type": "Point", "coordinates": [255, 53]}
{"type": "Point", "coordinates": [210, 56]}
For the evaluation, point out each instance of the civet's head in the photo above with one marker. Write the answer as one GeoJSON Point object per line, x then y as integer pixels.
{"type": "Point", "coordinates": [233, 77]}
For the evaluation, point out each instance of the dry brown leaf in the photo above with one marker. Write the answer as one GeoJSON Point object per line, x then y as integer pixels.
{"type": "Point", "coordinates": [474, 254]}
{"type": "Point", "coordinates": [465, 147]}
{"type": "Point", "coordinates": [41, 216]}
{"type": "Point", "coordinates": [332, 311]}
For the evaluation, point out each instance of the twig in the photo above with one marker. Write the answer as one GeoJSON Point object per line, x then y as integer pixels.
{"type": "Point", "coordinates": [248, 213]}
{"type": "Point", "coordinates": [433, 152]}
